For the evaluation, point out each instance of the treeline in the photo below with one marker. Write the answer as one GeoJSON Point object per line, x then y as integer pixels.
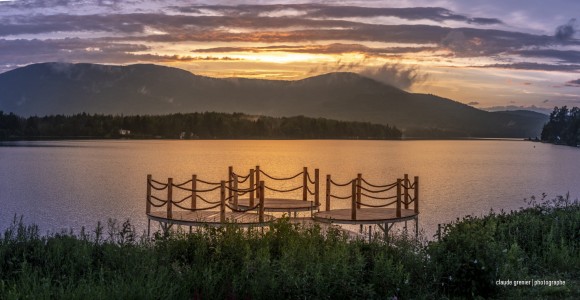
{"type": "Point", "coordinates": [563, 127]}
{"type": "Point", "coordinates": [207, 125]}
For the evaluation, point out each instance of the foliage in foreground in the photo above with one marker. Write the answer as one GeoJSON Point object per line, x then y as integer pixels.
{"type": "Point", "coordinates": [291, 261]}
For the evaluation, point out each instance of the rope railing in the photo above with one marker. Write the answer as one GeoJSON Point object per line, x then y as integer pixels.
{"type": "Point", "coordinates": [182, 184]}
{"type": "Point", "coordinates": [243, 178]}
{"type": "Point", "coordinates": [338, 197]}
{"type": "Point", "coordinates": [175, 202]}
{"type": "Point", "coordinates": [157, 188]}
{"type": "Point", "coordinates": [158, 182]}
{"type": "Point", "coordinates": [281, 178]}
{"type": "Point", "coordinates": [340, 184]}
{"type": "Point", "coordinates": [379, 186]}
{"type": "Point", "coordinates": [376, 191]}
{"type": "Point", "coordinates": [378, 198]}
{"type": "Point", "coordinates": [310, 191]}
{"type": "Point", "coordinates": [283, 191]}
{"type": "Point", "coordinates": [212, 183]}
{"type": "Point", "coordinates": [310, 179]}
{"type": "Point", "coordinates": [163, 202]}
{"type": "Point", "coordinates": [198, 191]}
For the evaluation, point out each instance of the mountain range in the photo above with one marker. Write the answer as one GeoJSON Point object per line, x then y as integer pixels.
{"type": "Point", "coordinates": [62, 88]}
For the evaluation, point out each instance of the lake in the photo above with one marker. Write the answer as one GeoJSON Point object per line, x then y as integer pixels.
{"type": "Point", "coordinates": [69, 184]}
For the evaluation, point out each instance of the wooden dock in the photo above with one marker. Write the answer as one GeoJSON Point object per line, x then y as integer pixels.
{"type": "Point", "coordinates": [211, 218]}
{"type": "Point", "coordinates": [218, 203]}
{"type": "Point", "coordinates": [364, 216]}
{"type": "Point", "coordinates": [281, 205]}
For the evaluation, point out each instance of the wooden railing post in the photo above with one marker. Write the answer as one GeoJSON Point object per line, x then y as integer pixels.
{"type": "Point", "coordinates": [317, 188]}
{"type": "Point", "coordinates": [358, 189]}
{"type": "Point", "coordinates": [353, 207]}
{"type": "Point", "coordinates": [398, 197]}
{"type": "Point", "coordinates": [235, 191]}
{"type": "Point", "coordinates": [406, 184]}
{"type": "Point", "coordinates": [327, 192]}
{"type": "Point", "coordinates": [305, 184]}
{"type": "Point", "coordinates": [223, 202]}
{"type": "Point", "coordinates": [252, 188]}
{"type": "Point", "coordinates": [169, 198]}
{"type": "Point", "coordinates": [230, 176]}
{"type": "Point", "coordinates": [148, 200]}
{"type": "Point", "coordinates": [416, 194]}
{"type": "Point", "coordinates": [261, 211]}
{"type": "Point", "coordinates": [258, 181]}
{"type": "Point", "coordinates": [194, 191]}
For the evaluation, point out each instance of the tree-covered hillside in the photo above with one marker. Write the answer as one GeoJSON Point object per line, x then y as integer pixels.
{"type": "Point", "coordinates": [563, 126]}
{"type": "Point", "coordinates": [208, 125]}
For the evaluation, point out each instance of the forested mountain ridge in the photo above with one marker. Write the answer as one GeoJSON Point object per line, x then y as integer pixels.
{"type": "Point", "coordinates": [59, 88]}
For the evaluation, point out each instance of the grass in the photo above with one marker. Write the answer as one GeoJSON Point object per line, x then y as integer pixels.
{"type": "Point", "coordinates": [289, 261]}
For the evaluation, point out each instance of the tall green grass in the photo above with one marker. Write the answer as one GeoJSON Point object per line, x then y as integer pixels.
{"type": "Point", "coordinates": [290, 261]}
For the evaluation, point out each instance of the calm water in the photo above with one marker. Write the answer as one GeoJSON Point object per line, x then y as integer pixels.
{"type": "Point", "coordinates": [70, 184]}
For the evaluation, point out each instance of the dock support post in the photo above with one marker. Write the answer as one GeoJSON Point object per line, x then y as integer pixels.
{"type": "Point", "coordinates": [354, 196]}
{"type": "Point", "coordinates": [305, 184]}
{"type": "Point", "coordinates": [358, 189]}
{"type": "Point", "coordinates": [235, 191]}
{"type": "Point", "coordinates": [258, 181]}
{"type": "Point", "coordinates": [148, 200]}
{"type": "Point", "coordinates": [416, 194]}
{"type": "Point", "coordinates": [327, 192]}
{"type": "Point", "coordinates": [230, 176]}
{"type": "Point", "coordinates": [194, 191]}
{"type": "Point", "coordinates": [148, 227]}
{"type": "Point", "coordinates": [169, 198]}
{"type": "Point", "coordinates": [317, 188]}
{"type": "Point", "coordinates": [252, 192]}
{"type": "Point", "coordinates": [222, 202]}
{"type": "Point", "coordinates": [406, 184]}
{"type": "Point", "coordinates": [416, 226]}
{"type": "Point", "coordinates": [261, 211]}
{"type": "Point", "coordinates": [399, 198]}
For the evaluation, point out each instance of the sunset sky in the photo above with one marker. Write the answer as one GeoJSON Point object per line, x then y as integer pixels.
{"type": "Point", "coordinates": [483, 53]}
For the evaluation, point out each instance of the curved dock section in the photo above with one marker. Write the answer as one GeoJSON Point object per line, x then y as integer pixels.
{"type": "Point", "coordinates": [372, 203]}
{"type": "Point", "coordinates": [300, 191]}
{"type": "Point", "coordinates": [197, 202]}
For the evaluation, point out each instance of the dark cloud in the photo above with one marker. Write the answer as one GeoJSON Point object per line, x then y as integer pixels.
{"type": "Point", "coordinates": [570, 56]}
{"type": "Point", "coordinates": [80, 50]}
{"type": "Point", "coordinates": [326, 11]}
{"type": "Point", "coordinates": [566, 32]}
{"type": "Point", "coordinates": [462, 42]}
{"type": "Point", "coordinates": [574, 83]}
{"type": "Point", "coordinates": [536, 67]}
{"type": "Point", "coordinates": [397, 75]}
{"type": "Point", "coordinates": [473, 103]}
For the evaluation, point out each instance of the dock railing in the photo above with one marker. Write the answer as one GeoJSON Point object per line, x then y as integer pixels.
{"type": "Point", "coordinates": [163, 195]}
{"type": "Point", "coordinates": [362, 194]}
{"type": "Point", "coordinates": [307, 184]}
